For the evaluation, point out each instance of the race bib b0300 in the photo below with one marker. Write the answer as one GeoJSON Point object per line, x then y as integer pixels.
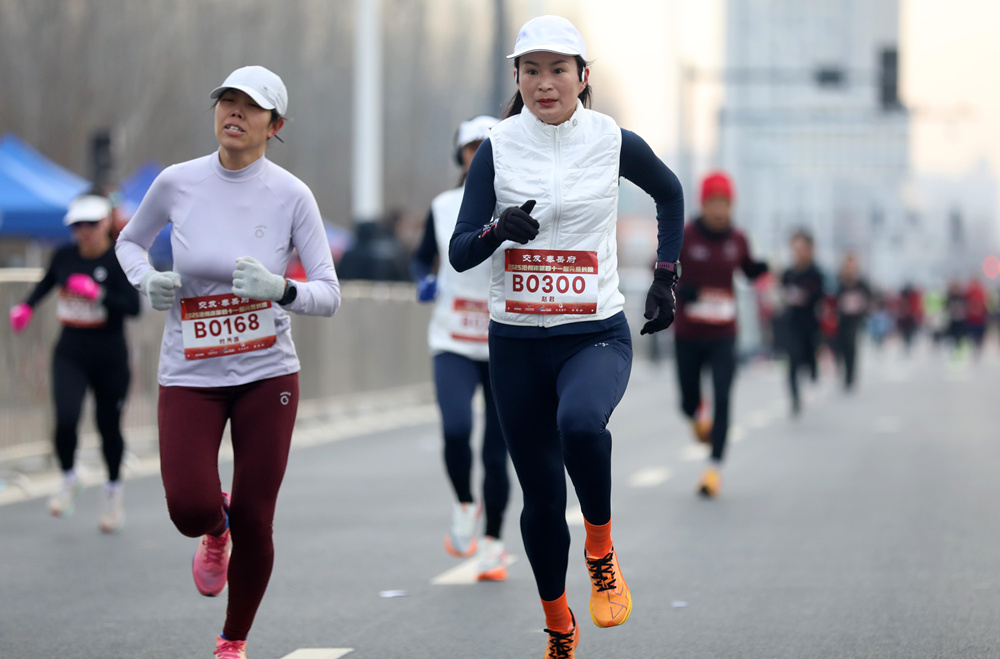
{"type": "Point", "coordinates": [549, 281]}
{"type": "Point", "coordinates": [223, 325]}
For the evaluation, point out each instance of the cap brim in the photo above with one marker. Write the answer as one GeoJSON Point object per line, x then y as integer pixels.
{"type": "Point", "coordinates": [252, 93]}
{"type": "Point", "coordinates": [561, 50]}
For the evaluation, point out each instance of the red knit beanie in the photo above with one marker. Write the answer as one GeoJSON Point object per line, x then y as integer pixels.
{"type": "Point", "coordinates": [717, 184]}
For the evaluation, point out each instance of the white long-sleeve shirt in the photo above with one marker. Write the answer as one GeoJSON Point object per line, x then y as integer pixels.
{"type": "Point", "coordinates": [219, 215]}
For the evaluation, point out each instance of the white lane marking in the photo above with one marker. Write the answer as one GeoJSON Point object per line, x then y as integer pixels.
{"type": "Point", "coordinates": [319, 653]}
{"type": "Point", "coordinates": [737, 434]}
{"type": "Point", "coordinates": [464, 574]}
{"type": "Point", "coordinates": [649, 477]}
{"type": "Point", "coordinates": [694, 452]}
{"type": "Point", "coordinates": [574, 516]}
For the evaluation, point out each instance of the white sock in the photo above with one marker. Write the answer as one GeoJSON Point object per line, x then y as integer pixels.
{"type": "Point", "coordinates": [113, 487]}
{"type": "Point", "coordinates": [70, 476]}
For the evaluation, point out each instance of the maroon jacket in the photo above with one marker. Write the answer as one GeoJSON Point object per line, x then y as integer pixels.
{"type": "Point", "coordinates": [706, 305]}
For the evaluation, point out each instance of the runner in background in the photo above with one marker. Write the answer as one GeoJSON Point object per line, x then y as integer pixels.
{"type": "Point", "coordinates": [705, 328]}
{"type": "Point", "coordinates": [802, 292]}
{"type": "Point", "coordinates": [976, 314]}
{"type": "Point", "coordinates": [227, 353]}
{"type": "Point", "coordinates": [956, 312]}
{"type": "Point", "coordinates": [541, 200]}
{"type": "Point", "coordinates": [911, 315]}
{"type": "Point", "coordinates": [854, 298]}
{"type": "Point", "coordinates": [458, 335]}
{"type": "Point", "coordinates": [94, 299]}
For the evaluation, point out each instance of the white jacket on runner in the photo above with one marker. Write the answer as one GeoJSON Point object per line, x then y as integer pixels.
{"type": "Point", "coordinates": [569, 272]}
{"type": "Point", "coordinates": [460, 322]}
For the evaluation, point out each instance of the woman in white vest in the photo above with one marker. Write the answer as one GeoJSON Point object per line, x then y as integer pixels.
{"type": "Point", "coordinates": [458, 336]}
{"type": "Point", "coordinates": [541, 199]}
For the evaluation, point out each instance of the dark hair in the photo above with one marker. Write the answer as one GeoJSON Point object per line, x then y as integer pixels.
{"type": "Point", "coordinates": [516, 103]}
{"type": "Point", "coordinates": [803, 235]}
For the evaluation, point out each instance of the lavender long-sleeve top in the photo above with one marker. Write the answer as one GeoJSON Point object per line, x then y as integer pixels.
{"type": "Point", "coordinates": [219, 215]}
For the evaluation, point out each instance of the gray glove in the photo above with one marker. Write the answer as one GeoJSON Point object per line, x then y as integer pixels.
{"type": "Point", "coordinates": [252, 280]}
{"type": "Point", "coordinates": [159, 287]}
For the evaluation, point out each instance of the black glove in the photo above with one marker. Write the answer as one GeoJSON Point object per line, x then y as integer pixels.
{"type": "Point", "coordinates": [660, 303]}
{"type": "Point", "coordinates": [687, 291]}
{"type": "Point", "coordinates": [755, 269]}
{"type": "Point", "coordinates": [516, 224]}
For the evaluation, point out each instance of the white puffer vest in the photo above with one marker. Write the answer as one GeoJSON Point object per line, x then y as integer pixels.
{"type": "Point", "coordinates": [460, 322]}
{"type": "Point", "coordinates": [569, 272]}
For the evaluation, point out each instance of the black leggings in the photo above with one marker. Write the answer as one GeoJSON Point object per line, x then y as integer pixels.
{"type": "Point", "coordinates": [456, 379]}
{"type": "Point", "coordinates": [555, 396]}
{"type": "Point", "coordinates": [720, 355]}
{"type": "Point", "coordinates": [847, 348]}
{"type": "Point", "coordinates": [801, 352]}
{"type": "Point", "coordinates": [101, 363]}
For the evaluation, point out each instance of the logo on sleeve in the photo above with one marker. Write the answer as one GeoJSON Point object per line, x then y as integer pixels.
{"type": "Point", "coordinates": [259, 230]}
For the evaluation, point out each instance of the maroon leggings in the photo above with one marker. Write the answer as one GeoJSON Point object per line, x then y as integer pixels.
{"type": "Point", "coordinates": [261, 416]}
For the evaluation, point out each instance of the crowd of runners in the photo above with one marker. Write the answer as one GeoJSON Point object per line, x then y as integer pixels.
{"type": "Point", "coordinates": [520, 262]}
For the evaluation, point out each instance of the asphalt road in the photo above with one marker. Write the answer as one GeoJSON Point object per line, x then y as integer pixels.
{"type": "Point", "coordinates": [869, 527]}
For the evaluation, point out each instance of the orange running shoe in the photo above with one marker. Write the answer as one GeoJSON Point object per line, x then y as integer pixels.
{"type": "Point", "coordinates": [710, 484]}
{"type": "Point", "coordinates": [461, 540]}
{"type": "Point", "coordinates": [491, 560]}
{"type": "Point", "coordinates": [610, 599]}
{"type": "Point", "coordinates": [563, 644]}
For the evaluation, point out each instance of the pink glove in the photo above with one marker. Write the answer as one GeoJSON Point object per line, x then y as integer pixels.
{"type": "Point", "coordinates": [20, 316]}
{"type": "Point", "coordinates": [83, 286]}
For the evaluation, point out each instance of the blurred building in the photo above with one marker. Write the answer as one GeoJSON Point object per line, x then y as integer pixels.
{"type": "Point", "coordinates": [814, 132]}
{"type": "Point", "coordinates": [957, 215]}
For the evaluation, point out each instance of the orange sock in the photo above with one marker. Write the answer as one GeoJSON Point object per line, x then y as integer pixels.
{"type": "Point", "coordinates": [557, 615]}
{"type": "Point", "coordinates": [598, 541]}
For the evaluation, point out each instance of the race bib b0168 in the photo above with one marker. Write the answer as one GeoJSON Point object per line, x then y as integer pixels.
{"type": "Point", "coordinates": [223, 325]}
{"type": "Point", "coordinates": [549, 281]}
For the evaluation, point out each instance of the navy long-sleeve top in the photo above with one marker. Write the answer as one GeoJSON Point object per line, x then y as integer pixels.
{"type": "Point", "coordinates": [638, 164]}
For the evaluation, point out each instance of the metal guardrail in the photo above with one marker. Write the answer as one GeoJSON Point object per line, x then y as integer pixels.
{"type": "Point", "coordinates": [376, 341]}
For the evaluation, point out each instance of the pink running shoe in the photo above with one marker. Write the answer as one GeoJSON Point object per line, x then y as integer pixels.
{"type": "Point", "coordinates": [230, 649]}
{"type": "Point", "coordinates": [210, 565]}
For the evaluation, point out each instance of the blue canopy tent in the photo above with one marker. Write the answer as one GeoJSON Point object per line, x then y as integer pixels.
{"type": "Point", "coordinates": [34, 193]}
{"type": "Point", "coordinates": [133, 189]}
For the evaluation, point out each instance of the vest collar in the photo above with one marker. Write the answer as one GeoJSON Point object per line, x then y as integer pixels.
{"type": "Point", "coordinates": [538, 128]}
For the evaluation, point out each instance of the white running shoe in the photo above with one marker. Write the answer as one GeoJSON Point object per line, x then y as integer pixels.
{"type": "Point", "coordinates": [113, 508]}
{"type": "Point", "coordinates": [63, 502]}
{"type": "Point", "coordinates": [492, 560]}
{"type": "Point", "coordinates": [461, 542]}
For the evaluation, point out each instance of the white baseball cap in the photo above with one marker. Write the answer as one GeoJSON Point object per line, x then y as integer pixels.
{"type": "Point", "coordinates": [552, 34]}
{"type": "Point", "coordinates": [88, 208]}
{"type": "Point", "coordinates": [474, 130]}
{"type": "Point", "coordinates": [264, 87]}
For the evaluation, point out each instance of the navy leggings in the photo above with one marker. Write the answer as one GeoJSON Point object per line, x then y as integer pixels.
{"type": "Point", "coordinates": [555, 396]}
{"type": "Point", "coordinates": [720, 355]}
{"type": "Point", "coordinates": [456, 379]}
